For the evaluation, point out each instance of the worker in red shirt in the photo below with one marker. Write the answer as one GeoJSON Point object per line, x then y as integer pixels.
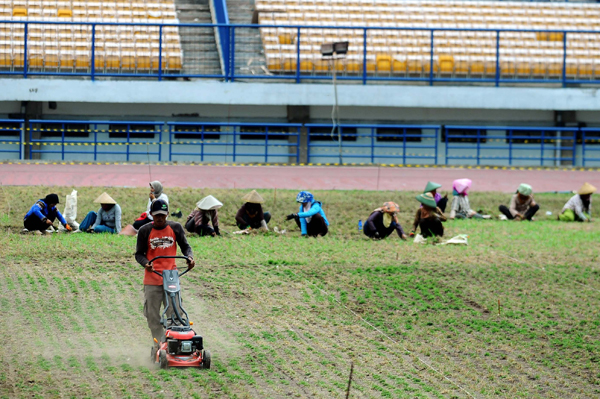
{"type": "Point", "coordinates": [159, 239]}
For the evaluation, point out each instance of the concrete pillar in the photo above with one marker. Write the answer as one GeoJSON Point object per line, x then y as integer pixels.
{"type": "Point", "coordinates": [31, 110]}
{"type": "Point", "coordinates": [299, 114]}
{"type": "Point", "coordinates": [564, 148]}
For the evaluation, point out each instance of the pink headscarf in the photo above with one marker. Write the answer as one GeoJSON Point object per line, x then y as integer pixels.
{"type": "Point", "coordinates": [461, 186]}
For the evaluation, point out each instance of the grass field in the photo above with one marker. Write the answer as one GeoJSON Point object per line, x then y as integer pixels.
{"type": "Point", "coordinates": [514, 314]}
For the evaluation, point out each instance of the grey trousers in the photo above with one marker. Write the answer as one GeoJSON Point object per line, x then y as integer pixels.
{"type": "Point", "coordinates": [154, 297]}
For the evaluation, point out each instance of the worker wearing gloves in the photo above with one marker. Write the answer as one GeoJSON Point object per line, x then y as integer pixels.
{"type": "Point", "coordinates": [311, 218]}
{"type": "Point", "coordinates": [43, 213]}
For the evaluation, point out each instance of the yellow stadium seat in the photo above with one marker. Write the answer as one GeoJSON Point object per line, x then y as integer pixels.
{"type": "Point", "coordinates": [35, 60]}
{"type": "Point", "coordinates": [285, 39]}
{"type": "Point", "coordinates": [399, 66]}
{"type": "Point", "coordinates": [174, 62]}
{"type": "Point", "coordinates": [113, 61]}
{"type": "Point", "coordinates": [306, 66]}
{"type": "Point", "coordinates": [446, 63]}
{"type": "Point", "coordinates": [99, 63]}
{"type": "Point", "coordinates": [64, 13]}
{"type": "Point", "coordinates": [384, 62]}
{"type": "Point", "coordinates": [51, 60]}
{"type": "Point", "coordinates": [5, 58]}
{"type": "Point", "coordinates": [82, 60]}
{"type": "Point", "coordinates": [128, 61]}
{"type": "Point", "coordinates": [19, 12]}
{"type": "Point", "coordinates": [143, 61]}
{"type": "Point", "coordinates": [67, 60]}
{"type": "Point", "coordinates": [289, 65]}
{"type": "Point", "coordinates": [325, 66]}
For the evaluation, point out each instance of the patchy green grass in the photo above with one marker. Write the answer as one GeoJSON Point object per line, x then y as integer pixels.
{"type": "Point", "coordinates": [514, 314]}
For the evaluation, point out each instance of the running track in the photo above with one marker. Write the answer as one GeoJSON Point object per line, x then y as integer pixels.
{"type": "Point", "coordinates": [289, 177]}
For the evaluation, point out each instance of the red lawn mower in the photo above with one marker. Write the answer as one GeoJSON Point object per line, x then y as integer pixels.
{"type": "Point", "coordinates": [181, 346]}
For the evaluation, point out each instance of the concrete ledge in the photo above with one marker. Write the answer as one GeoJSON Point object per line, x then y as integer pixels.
{"type": "Point", "coordinates": [241, 93]}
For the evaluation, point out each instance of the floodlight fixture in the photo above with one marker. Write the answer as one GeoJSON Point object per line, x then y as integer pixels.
{"type": "Point", "coordinates": [334, 49]}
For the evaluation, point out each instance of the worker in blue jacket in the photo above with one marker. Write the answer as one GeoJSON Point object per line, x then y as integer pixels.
{"type": "Point", "coordinates": [311, 218]}
{"type": "Point", "coordinates": [43, 213]}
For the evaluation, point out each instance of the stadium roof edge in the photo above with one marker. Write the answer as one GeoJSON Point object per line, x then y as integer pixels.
{"type": "Point", "coordinates": [240, 93]}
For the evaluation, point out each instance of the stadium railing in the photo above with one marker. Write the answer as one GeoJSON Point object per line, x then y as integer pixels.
{"type": "Point", "coordinates": [590, 145]}
{"type": "Point", "coordinates": [374, 143]}
{"type": "Point", "coordinates": [90, 138]}
{"type": "Point", "coordinates": [543, 146]}
{"type": "Point", "coordinates": [265, 141]}
{"type": "Point", "coordinates": [287, 143]}
{"type": "Point", "coordinates": [11, 136]}
{"type": "Point", "coordinates": [564, 67]}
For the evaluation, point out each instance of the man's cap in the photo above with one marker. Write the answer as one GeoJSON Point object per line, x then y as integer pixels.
{"type": "Point", "coordinates": [51, 199]}
{"type": "Point", "coordinates": [159, 207]}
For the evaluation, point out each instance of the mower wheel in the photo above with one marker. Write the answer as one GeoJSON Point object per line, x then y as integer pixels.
{"type": "Point", "coordinates": [163, 359]}
{"type": "Point", "coordinates": [206, 359]}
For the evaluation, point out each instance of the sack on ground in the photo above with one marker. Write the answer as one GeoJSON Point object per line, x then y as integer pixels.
{"type": "Point", "coordinates": [70, 212]}
{"type": "Point", "coordinates": [461, 239]}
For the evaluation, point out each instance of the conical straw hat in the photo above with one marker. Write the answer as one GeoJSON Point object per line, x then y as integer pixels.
{"type": "Point", "coordinates": [427, 199]}
{"type": "Point", "coordinates": [431, 186]}
{"type": "Point", "coordinates": [208, 203]}
{"type": "Point", "coordinates": [104, 199]}
{"type": "Point", "coordinates": [587, 188]}
{"type": "Point", "coordinates": [253, 197]}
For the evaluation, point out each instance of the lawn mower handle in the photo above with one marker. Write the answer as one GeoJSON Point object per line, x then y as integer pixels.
{"type": "Point", "coordinates": [169, 257]}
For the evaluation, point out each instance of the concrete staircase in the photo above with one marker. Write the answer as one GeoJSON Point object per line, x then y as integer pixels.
{"type": "Point", "coordinates": [249, 52]}
{"type": "Point", "coordinates": [200, 55]}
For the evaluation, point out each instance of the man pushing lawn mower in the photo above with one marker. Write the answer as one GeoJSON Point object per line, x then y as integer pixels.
{"type": "Point", "coordinates": [153, 240]}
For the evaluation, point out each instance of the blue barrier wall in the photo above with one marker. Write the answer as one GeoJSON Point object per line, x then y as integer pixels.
{"type": "Point", "coordinates": [133, 141]}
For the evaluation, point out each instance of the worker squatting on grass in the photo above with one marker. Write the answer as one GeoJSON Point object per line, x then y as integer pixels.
{"type": "Point", "coordinates": [579, 207]}
{"type": "Point", "coordinates": [159, 239]}
{"type": "Point", "coordinates": [522, 205]}
{"type": "Point", "coordinates": [206, 213]}
{"type": "Point", "coordinates": [310, 217]}
{"type": "Point", "coordinates": [251, 215]}
{"type": "Point", "coordinates": [383, 221]}
{"type": "Point", "coordinates": [42, 214]}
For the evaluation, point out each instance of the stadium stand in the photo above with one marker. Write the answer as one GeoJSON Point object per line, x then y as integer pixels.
{"type": "Point", "coordinates": [52, 46]}
{"type": "Point", "coordinates": [455, 53]}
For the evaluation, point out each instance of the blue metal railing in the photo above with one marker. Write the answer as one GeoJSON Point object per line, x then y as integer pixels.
{"type": "Point", "coordinates": [11, 136]}
{"type": "Point", "coordinates": [590, 144]}
{"type": "Point", "coordinates": [276, 140]}
{"type": "Point", "coordinates": [356, 138]}
{"type": "Point", "coordinates": [515, 141]}
{"type": "Point", "coordinates": [499, 67]}
{"type": "Point", "coordinates": [93, 140]}
{"type": "Point", "coordinates": [88, 142]}
{"type": "Point", "coordinates": [224, 34]}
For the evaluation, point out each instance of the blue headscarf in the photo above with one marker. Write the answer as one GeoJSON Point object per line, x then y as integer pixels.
{"type": "Point", "coordinates": [304, 196]}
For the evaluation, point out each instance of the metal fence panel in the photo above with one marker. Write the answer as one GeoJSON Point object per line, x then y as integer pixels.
{"type": "Point", "coordinates": [235, 142]}
{"type": "Point", "coordinates": [372, 143]}
{"type": "Point", "coordinates": [511, 145]}
{"type": "Point", "coordinates": [11, 138]}
{"type": "Point", "coordinates": [95, 140]}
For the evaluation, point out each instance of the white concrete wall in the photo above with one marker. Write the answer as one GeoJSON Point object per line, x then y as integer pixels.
{"type": "Point", "coordinates": [241, 93]}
